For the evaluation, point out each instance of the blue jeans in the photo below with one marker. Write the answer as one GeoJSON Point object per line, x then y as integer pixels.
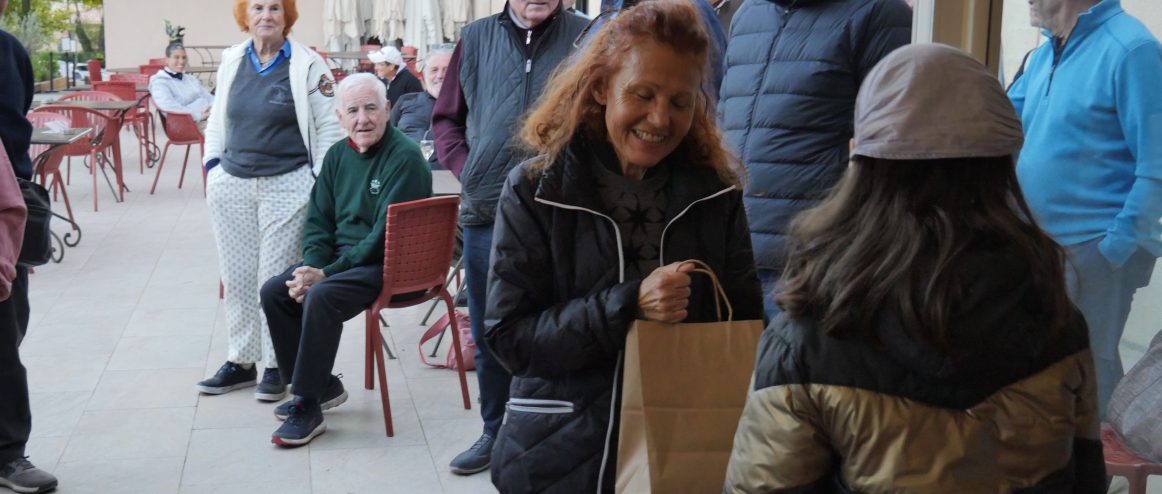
{"type": "Point", "coordinates": [1104, 295]}
{"type": "Point", "coordinates": [492, 377]}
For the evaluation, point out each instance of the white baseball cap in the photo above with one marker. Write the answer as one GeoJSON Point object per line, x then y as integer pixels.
{"type": "Point", "coordinates": [389, 55]}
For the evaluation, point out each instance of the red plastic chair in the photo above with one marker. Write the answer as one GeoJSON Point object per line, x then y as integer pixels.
{"type": "Point", "coordinates": [410, 53]}
{"type": "Point", "coordinates": [157, 61]}
{"type": "Point", "coordinates": [137, 79]}
{"type": "Point", "coordinates": [50, 164]}
{"type": "Point", "coordinates": [106, 136]}
{"type": "Point", "coordinates": [417, 255]}
{"type": "Point", "coordinates": [149, 69]}
{"type": "Point", "coordinates": [94, 71]}
{"type": "Point", "coordinates": [180, 129]}
{"type": "Point", "coordinates": [140, 120]}
{"type": "Point", "coordinates": [1122, 461]}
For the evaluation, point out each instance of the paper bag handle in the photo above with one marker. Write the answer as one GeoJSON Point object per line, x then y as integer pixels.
{"type": "Point", "coordinates": [719, 293]}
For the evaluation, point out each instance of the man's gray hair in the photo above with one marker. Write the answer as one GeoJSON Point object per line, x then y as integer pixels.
{"type": "Point", "coordinates": [362, 79]}
{"type": "Point", "coordinates": [440, 49]}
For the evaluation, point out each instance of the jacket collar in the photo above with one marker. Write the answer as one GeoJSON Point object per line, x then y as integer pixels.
{"type": "Point", "coordinates": [571, 181]}
{"type": "Point", "coordinates": [1092, 19]}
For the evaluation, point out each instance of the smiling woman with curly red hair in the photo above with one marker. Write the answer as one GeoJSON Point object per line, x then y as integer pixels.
{"type": "Point", "coordinates": [273, 120]}
{"type": "Point", "coordinates": [631, 179]}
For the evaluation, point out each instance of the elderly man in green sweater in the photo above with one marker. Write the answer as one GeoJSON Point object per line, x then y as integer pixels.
{"type": "Point", "coordinates": [342, 268]}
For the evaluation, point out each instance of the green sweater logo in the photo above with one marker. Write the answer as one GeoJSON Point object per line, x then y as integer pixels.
{"type": "Point", "coordinates": [376, 186]}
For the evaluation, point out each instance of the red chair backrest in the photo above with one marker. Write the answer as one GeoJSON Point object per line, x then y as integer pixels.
{"type": "Point", "coordinates": [123, 90]}
{"type": "Point", "coordinates": [138, 79]}
{"type": "Point", "coordinates": [418, 245]}
{"type": "Point", "coordinates": [180, 128]}
{"type": "Point", "coordinates": [40, 120]}
{"type": "Point", "coordinates": [157, 61]}
{"type": "Point", "coordinates": [367, 48]}
{"type": "Point", "coordinates": [149, 69]}
{"type": "Point", "coordinates": [94, 71]}
{"type": "Point", "coordinates": [91, 96]}
{"type": "Point", "coordinates": [104, 127]}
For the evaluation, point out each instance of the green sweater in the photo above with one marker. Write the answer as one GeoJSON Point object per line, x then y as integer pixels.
{"type": "Point", "coordinates": [349, 201]}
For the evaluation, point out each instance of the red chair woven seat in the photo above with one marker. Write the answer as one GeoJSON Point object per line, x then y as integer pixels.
{"type": "Point", "coordinates": [417, 256]}
{"type": "Point", "coordinates": [1124, 462]}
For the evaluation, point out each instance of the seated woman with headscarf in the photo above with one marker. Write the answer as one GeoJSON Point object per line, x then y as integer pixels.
{"type": "Point", "coordinates": [631, 180]}
{"type": "Point", "coordinates": [174, 91]}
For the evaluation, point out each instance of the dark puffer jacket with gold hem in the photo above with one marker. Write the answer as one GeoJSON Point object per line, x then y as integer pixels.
{"type": "Point", "coordinates": [1015, 413]}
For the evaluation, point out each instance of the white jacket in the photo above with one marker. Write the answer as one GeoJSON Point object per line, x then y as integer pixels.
{"type": "Point", "coordinates": [185, 95]}
{"type": "Point", "coordinates": [313, 90]}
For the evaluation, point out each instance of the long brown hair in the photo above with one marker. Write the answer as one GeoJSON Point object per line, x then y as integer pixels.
{"type": "Point", "coordinates": [889, 235]}
{"type": "Point", "coordinates": [567, 106]}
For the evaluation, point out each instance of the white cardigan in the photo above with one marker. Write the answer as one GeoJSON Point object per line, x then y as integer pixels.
{"type": "Point", "coordinates": [313, 90]}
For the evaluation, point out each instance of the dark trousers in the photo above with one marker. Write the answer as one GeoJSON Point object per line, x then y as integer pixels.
{"type": "Point", "coordinates": [306, 336]}
{"type": "Point", "coordinates": [15, 414]}
{"type": "Point", "coordinates": [493, 378]}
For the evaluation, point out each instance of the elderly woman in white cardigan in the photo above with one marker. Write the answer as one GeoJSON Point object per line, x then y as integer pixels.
{"type": "Point", "coordinates": [273, 121]}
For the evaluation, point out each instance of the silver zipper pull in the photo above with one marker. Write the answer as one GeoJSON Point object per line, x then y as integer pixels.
{"type": "Point", "coordinates": [529, 37]}
{"type": "Point", "coordinates": [528, 65]}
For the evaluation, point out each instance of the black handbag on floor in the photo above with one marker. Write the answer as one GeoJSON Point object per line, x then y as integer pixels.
{"type": "Point", "coordinates": [37, 247]}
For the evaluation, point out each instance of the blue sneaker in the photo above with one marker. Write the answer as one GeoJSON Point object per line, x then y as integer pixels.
{"type": "Point", "coordinates": [271, 388]}
{"type": "Point", "coordinates": [333, 397]}
{"type": "Point", "coordinates": [303, 423]}
{"type": "Point", "coordinates": [229, 377]}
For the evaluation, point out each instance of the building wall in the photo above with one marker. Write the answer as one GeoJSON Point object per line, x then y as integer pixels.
{"type": "Point", "coordinates": [134, 32]}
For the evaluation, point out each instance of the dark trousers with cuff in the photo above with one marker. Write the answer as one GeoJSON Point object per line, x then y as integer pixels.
{"type": "Point", "coordinates": [15, 413]}
{"type": "Point", "coordinates": [306, 336]}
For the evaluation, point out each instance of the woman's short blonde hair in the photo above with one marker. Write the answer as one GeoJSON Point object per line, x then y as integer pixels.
{"type": "Point", "coordinates": [290, 13]}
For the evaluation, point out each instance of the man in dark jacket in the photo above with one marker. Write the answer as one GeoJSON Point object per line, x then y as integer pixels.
{"type": "Point", "coordinates": [413, 114]}
{"type": "Point", "coordinates": [793, 68]}
{"type": "Point", "coordinates": [496, 73]}
{"type": "Point", "coordinates": [391, 69]}
{"type": "Point", "coordinates": [15, 414]}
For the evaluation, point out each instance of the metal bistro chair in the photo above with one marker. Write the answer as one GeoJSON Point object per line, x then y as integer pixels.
{"type": "Point", "coordinates": [139, 120]}
{"type": "Point", "coordinates": [149, 69]}
{"type": "Point", "coordinates": [417, 256]}
{"type": "Point", "coordinates": [94, 71]}
{"type": "Point", "coordinates": [105, 140]}
{"type": "Point", "coordinates": [51, 164]}
{"type": "Point", "coordinates": [180, 129]}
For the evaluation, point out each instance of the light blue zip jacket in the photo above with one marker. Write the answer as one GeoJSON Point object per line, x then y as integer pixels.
{"type": "Point", "coordinates": [1091, 166]}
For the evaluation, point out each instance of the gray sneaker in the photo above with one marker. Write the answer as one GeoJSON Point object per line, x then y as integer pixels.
{"type": "Point", "coordinates": [20, 475]}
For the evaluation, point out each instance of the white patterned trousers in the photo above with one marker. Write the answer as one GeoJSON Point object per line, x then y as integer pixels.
{"type": "Point", "coordinates": [258, 225]}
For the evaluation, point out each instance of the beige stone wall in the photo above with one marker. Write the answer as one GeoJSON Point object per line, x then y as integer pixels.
{"type": "Point", "coordinates": [134, 31]}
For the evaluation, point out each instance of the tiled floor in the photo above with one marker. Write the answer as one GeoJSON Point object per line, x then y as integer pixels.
{"type": "Point", "coordinates": [130, 320]}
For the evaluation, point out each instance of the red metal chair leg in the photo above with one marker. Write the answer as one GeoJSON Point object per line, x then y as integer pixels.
{"type": "Point", "coordinates": [159, 166]}
{"type": "Point", "coordinates": [376, 340]}
{"type": "Point", "coordinates": [93, 171]}
{"type": "Point", "coordinates": [456, 346]}
{"type": "Point", "coordinates": [371, 324]}
{"type": "Point", "coordinates": [182, 177]}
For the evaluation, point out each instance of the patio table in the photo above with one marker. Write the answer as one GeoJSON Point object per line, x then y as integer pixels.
{"type": "Point", "coordinates": [444, 183]}
{"type": "Point", "coordinates": [55, 139]}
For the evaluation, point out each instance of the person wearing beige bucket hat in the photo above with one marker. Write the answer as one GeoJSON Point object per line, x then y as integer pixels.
{"type": "Point", "coordinates": [924, 310]}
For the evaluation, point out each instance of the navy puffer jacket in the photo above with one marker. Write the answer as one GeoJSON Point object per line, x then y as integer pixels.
{"type": "Point", "coordinates": [793, 68]}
